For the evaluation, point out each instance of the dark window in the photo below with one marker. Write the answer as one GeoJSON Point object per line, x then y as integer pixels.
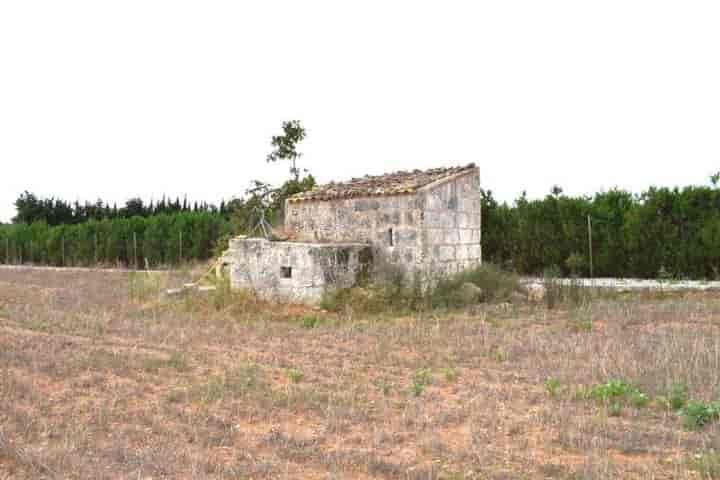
{"type": "Point", "coordinates": [286, 272]}
{"type": "Point", "coordinates": [391, 240]}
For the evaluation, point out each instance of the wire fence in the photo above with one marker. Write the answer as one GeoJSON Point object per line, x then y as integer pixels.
{"type": "Point", "coordinates": [154, 242]}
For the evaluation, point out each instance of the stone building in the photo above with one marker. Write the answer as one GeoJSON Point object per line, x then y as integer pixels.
{"type": "Point", "coordinates": [295, 271]}
{"type": "Point", "coordinates": [424, 222]}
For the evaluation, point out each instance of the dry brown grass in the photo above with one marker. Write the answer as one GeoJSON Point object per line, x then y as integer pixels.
{"type": "Point", "coordinates": [99, 378]}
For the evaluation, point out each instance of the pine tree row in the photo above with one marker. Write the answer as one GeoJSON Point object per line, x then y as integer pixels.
{"type": "Point", "coordinates": [32, 208]}
{"type": "Point", "coordinates": [156, 241]}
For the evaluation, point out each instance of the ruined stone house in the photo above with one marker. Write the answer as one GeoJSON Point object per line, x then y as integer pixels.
{"type": "Point", "coordinates": [423, 222]}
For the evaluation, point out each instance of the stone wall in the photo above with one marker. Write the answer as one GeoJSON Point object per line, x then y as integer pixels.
{"type": "Point", "coordinates": [450, 232]}
{"type": "Point", "coordinates": [391, 224]}
{"type": "Point", "coordinates": [294, 271]}
{"type": "Point", "coordinates": [436, 228]}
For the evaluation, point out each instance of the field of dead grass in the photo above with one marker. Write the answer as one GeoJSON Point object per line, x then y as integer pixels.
{"type": "Point", "coordinates": [102, 378]}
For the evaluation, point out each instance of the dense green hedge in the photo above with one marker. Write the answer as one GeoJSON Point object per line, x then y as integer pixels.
{"type": "Point", "coordinates": [155, 241]}
{"type": "Point", "coordinates": [661, 232]}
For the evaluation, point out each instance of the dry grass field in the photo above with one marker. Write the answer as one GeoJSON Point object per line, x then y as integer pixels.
{"type": "Point", "coordinates": [102, 378]}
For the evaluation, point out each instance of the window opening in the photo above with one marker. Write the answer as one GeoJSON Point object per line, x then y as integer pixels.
{"type": "Point", "coordinates": [286, 272]}
{"type": "Point", "coordinates": [391, 240]}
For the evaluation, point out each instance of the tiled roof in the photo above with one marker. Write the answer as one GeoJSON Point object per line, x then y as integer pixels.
{"type": "Point", "coordinates": [388, 184]}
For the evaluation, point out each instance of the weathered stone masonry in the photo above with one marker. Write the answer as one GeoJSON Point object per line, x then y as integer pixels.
{"type": "Point", "coordinates": [434, 228]}
{"type": "Point", "coordinates": [294, 271]}
{"type": "Point", "coordinates": [450, 235]}
{"type": "Point", "coordinates": [425, 222]}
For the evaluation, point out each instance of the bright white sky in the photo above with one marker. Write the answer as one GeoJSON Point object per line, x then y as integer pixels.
{"type": "Point", "coordinates": [140, 98]}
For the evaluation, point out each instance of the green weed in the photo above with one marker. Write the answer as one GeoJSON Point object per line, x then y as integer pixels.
{"type": "Point", "coordinates": [500, 354]}
{"type": "Point", "coordinates": [697, 414]}
{"type": "Point", "coordinates": [615, 409]}
{"type": "Point", "coordinates": [451, 374]}
{"type": "Point", "coordinates": [384, 386]}
{"type": "Point", "coordinates": [675, 398]}
{"type": "Point", "coordinates": [639, 399]}
{"type": "Point", "coordinates": [612, 390]}
{"type": "Point", "coordinates": [310, 322]}
{"type": "Point", "coordinates": [421, 379]}
{"type": "Point", "coordinates": [294, 375]}
{"type": "Point", "coordinates": [552, 386]}
{"type": "Point", "coordinates": [615, 394]}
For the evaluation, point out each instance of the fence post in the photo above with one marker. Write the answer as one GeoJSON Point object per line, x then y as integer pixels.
{"type": "Point", "coordinates": [62, 248]}
{"type": "Point", "coordinates": [180, 256]}
{"type": "Point", "coordinates": [7, 251]}
{"type": "Point", "coordinates": [135, 264]}
{"type": "Point", "coordinates": [32, 257]}
{"type": "Point", "coordinates": [96, 256]}
{"type": "Point", "coordinates": [590, 244]}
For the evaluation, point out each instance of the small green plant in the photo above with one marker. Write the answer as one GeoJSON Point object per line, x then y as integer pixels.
{"type": "Point", "coordinates": [451, 374]}
{"type": "Point", "coordinates": [581, 322]}
{"type": "Point", "coordinates": [421, 379]}
{"type": "Point", "coordinates": [552, 386]}
{"type": "Point", "coordinates": [615, 394]}
{"type": "Point", "coordinates": [611, 390]}
{"type": "Point", "coordinates": [615, 409]}
{"type": "Point", "coordinates": [384, 386]}
{"type": "Point", "coordinates": [294, 375]}
{"type": "Point", "coordinates": [697, 414]}
{"type": "Point", "coordinates": [500, 354]}
{"type": "Point", "coordinates": [310, 322]}
{"type": "Point", "coordinates": [675, 398]}
{"type": "Point", "coordinates": [639, 399]}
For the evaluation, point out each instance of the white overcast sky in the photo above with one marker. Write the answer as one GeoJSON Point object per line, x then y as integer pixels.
{"type": "Point", "coordinates": [145, 98]}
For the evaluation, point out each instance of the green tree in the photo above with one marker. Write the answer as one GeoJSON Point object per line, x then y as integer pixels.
{"type": "Point", "coordinates": [285, 146]}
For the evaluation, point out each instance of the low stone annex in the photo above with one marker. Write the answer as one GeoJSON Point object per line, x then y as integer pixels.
{"type": "Point", "coordinates": [424, 222]}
